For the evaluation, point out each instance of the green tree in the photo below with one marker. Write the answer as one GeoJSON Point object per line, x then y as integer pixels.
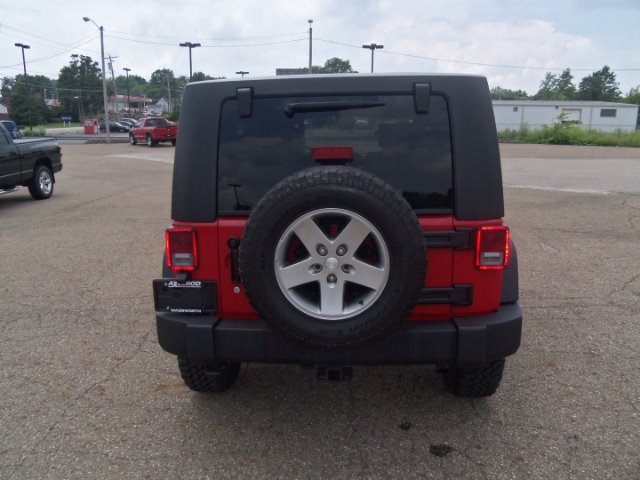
{"type": "Point", "coordinates": [557, 87]}
{"type": "Point", "coordinates": [600, 85]}
{"type": "Point", "coordinates": [499, 93]}
{"type": "Point", "coordinates": [633, 96]}
{"type": "Point", "coordinates": [24, 98]}
{"type": "Point", "coordinates": [334, 65]}
{"type": "Point", "coordinates": [161, 83]}
{"type": "Point", "coordinates": [200, 76]}
{"type": "Point", "coordinates": [565, 85]}
{"type": "Point", "coordinates": [137, 85]}
{"type": "Point", "coordinates": [181, 82]}
{"type": "Point", "coordinates": [80, 87]}
{"type": "Point", "coordinates": [7, 85]}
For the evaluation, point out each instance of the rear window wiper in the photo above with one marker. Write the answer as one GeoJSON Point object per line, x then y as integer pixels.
{"type": "Point", "coordinates": [292, 108]}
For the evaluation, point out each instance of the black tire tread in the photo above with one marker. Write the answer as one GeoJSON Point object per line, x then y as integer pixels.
{"type": "Point", "coordinates": [475, 382]}
{"type": "Point", "coordinates": [196, 378]}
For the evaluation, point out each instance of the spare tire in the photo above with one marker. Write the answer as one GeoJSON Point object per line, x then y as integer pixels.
{"type": "Point", "coordinates": [332, 257]}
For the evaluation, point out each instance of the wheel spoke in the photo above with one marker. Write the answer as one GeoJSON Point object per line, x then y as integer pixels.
{"type": "Point", "coordinates": [297, 274]}
{"type": "Point", "coordinates": [353, 234]}
{"type": "Point", "coordinates": [331, 297]}
{"type": "Point", "coordinates": [310, 234]}
{"type": "Point", "coordinates": [367, 275]}
{"type": "Point", "coordinates": [331, 266]}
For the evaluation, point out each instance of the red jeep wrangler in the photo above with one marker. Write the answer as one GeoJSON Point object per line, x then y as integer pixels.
{"type": "Point", "coordinates": [339, 220]}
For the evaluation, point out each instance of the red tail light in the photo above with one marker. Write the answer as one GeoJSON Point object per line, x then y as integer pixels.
{"type": "Point", "coordinates": [182, 248]}
{"type": "Point", "coordinates": [323, 154]}
{"type": "Point", "coordinates": [492, 248]}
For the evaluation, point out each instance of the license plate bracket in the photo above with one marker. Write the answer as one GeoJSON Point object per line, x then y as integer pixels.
{"type": "Point", "coordinates": [191, 296]}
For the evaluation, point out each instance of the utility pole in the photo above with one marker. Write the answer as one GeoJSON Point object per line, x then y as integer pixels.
{"type": "Point", "coordinates": [128, 97]}
{"type": "Point", "coordinates": [310, 44]}
{"type": "Point", "coordinates": [26, 80]}
{"type": "Point", "coordinates": [372, 47]}
{"type": "Point", "coordinates": [169, 90]}
{"type": "Point", "coordinates": [115, 90]}
{"type": "Point", "coordinates": [82, 62]}
{"type": "Point", "coordinates": [242, 72]}
{"type": "Point", "coordinates": [104, 78]}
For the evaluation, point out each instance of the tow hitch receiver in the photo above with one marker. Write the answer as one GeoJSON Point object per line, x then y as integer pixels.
{"type": "Point", "coordinates": [334, 374]}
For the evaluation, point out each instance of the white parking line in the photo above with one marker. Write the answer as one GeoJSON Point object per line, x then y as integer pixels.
{"type": "Point", "coordinates": [143, 156]}
{"type": "Point", "coordinates": [560, 189]}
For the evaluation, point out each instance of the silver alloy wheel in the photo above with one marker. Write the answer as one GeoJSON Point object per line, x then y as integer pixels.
{"type": "Point", "coordinates": [336, 276]}
{"type": "Point", "coordinates": [45, 182]}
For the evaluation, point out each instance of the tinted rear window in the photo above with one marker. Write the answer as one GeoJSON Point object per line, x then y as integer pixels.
{"type": "Point", "coordinates": [410, 151]}
{"type": "Point", "coordinates": [156, 122]}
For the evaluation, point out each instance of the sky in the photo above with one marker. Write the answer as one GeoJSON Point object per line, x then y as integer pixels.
{"type": "Point", "coordinates": [512, 43]}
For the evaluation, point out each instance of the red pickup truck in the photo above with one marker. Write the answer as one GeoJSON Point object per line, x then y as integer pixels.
{"type": "Point", "coordinates": [153, 130]}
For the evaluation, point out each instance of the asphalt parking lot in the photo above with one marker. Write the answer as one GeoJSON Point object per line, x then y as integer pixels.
{"type": "Point", "coordinates": [86, 392]}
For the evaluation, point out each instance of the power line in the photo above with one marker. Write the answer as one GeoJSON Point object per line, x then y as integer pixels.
{"type": "Point", "coordinates": [464, 62]}
{"type": "Point", "coordinates": [147, 42]}
{"type": "Point", "coordinates": [76, 46]}
{"type": "Point", "coordinates": [56, 54]}
{"type": "Point", "coordinates": [229, 39]}
{"type": "Point", "coordinates": [49, 41]}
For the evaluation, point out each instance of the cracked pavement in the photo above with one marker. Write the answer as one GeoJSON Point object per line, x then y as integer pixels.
{"type": "Point", "coordinates": [86, 392]}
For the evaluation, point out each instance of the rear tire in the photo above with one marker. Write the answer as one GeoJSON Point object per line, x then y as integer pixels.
{"type": "Point", "coordinates": [202, 378]}
{"type": "Point", "coordinates": [41, 185]}
{"type": "Point", "coordinates": [475, 382]}
{"type": "Point", "coordinates": [150, 141]}
{"type": "Point", "coordinates": [132, 140]}
{"type": "Point", "coordinates": [173, 142]}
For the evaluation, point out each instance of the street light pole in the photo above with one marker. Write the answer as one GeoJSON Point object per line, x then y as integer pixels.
{"type": "Point", "coordinates": [372, 47]}
{"type": "Point", "coordinates": [310, 43]}
{"type": "Point", "coordinates": [104, 79]}
{"type": "Point", "coordinates": [26, 80]}
{"type": "Point", "coordinates": [79, 108]}
{"type": "Point", "coordinates": [128, 99]}
{"type": "Point", "coordinates": [190, 46]}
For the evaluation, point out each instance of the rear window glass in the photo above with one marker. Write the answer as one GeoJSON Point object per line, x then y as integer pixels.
{"type": "Point", "coordinates": [156, 122]}
{"type": "Point", "coordinates": [410, 151]}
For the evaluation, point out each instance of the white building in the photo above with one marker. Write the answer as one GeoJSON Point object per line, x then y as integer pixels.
{"type": "Point", "coordinates": [4, 113]}
{"type": "Point", "coordinates": [533, 114]}
{"type": "Point", "coordinates": [161, 106]}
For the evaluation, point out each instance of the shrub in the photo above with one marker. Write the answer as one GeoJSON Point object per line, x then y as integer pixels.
{"type": "Point", "coordinates": [34, 132]}
{"type": "Point", "coordinates": [563, 134]}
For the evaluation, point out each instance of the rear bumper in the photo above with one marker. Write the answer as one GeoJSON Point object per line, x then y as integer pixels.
{"type": "Point", "coordinates": [463, 342]}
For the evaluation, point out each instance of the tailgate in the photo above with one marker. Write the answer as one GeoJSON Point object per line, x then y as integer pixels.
{"type": "Point", "coordinates": [165, 132]}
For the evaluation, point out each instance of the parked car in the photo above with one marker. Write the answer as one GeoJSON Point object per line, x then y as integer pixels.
{"type": "Point", "coordinates": [30, 163]}
{"type": "Point", "coordinates": [115, 127]}
{"type": "Point", "coordinates": [153, 130]}
{"type": "Point", "coordinates": [12, 128]}
{"type": "Point", "coordinates": [129, 122]}
{"type": "Point", "coordinates": [294, 240]}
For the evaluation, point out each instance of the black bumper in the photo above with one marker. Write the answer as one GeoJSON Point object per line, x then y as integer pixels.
{"type": "Point", "coordinates": [464, 342]}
